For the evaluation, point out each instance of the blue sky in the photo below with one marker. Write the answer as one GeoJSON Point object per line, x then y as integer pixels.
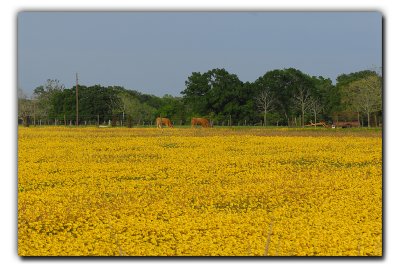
{"type": "Point", "coordinates": [155, 52]}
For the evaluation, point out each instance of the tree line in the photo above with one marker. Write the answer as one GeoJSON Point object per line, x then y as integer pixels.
{"type": "Point", "coordinates": [286, 97]}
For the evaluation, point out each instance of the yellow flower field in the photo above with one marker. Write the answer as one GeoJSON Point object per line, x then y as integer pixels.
{"type": "Point", "coordinates": [198, 192]}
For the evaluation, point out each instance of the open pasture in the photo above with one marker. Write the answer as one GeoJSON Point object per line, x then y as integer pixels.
{"type": "Point", "coordinates": [199, 192]}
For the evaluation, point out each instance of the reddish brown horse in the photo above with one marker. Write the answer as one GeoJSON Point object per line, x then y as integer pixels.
{"type": "Point", "coordinates": [200, 121]}
{"type": "Point", "coordinates": [164, 121]}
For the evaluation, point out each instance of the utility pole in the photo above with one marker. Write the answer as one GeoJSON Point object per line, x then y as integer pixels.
{"type": "Point", "coordinates": [77, 108]}
{"type": "Point", "coordinates": [34, 112]}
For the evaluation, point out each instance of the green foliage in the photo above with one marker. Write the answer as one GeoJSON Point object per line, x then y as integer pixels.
{"type": "Point", "coordinates": [217, 95]}
{"type": "Point", "coordinates": [342, 83]}
{"type": "Point", "coordinates": [360, 93]}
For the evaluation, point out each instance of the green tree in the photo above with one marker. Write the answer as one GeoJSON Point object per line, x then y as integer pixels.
{"type": "Point", "coordinates": [172, 108]}
{"type": "Point", "coordinates": [44, 96]}
{"type": "Point", "coordinates": [194, 94]}
{"type": "Point", "coordinates": [248, 103]}
{"type": "Point", "coordinates": [345, 95]}
{"type": "Point", "coordinates": [225, 96]}
{"type": "Point", "coordinates": [365, 95]}
{"type": "Point", "coordinates": [216, 91]}
{"type": "Point", "coordinates": [325, 98]}
{"type": "Point", "coordinates": [291, 90]}
{"type": "Point", "coordinates": [302, 89]}
{"type": "Point", "coordinates": [25, 107]}
{"type": "Point", "coordinates": [131, 106]}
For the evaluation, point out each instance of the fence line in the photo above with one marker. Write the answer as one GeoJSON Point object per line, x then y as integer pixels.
{"type": "Point", "coordinates": [119, 121]}
{"type": "Point", "coordinates": [128, 121]}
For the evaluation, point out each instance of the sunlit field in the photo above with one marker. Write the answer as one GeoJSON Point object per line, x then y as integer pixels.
{"type": "Point", "coordinates": [199, 192]}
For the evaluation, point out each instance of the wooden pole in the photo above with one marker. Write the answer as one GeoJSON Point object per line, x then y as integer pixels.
{"type": "Point", "coordinates": [77, 102]}
{"type": "Point", "coordinates": [34, 112]}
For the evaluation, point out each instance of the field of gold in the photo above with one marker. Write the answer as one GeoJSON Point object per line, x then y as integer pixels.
{"type": "Point", "coordinates": [199, 192]}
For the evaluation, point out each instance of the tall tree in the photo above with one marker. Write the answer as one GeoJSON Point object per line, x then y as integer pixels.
{"type": "Point", "coordinates": [173, 108]}
{"type": "Point", "coordinates": [291, 89]}
{"type": "Point", "coordinates": [302, 98]}
{"type": "Point", "coordinates": [366, 95]}
{"type": "Point", "coordinates": [327, 97]}
{"type": "Point", "coordinates": [225, 94]}
{"type": "Point", "coordinates": [25, 106]}
{"type": "Point", "coordinates": [265, 101]}
{"type": "Point", "coordinates": [347, 105]}
{"type": "Point", "coordinates": [45, 95]}
{"type": "Point", "coordinates": [316, 107]}
{"type": "Point", "coordinates": [248, 113]}
{"type": "Point", "coordinates": [214, 92]}
{"type": "Point", "coordinates": [194, 94]}
{"type": "Point", "coordinates": [278, 82]}
{"type": "Point", "coordinates": [303, 90]}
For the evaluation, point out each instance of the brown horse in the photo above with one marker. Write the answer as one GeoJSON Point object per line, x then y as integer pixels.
{"type": "Point", "coordinates": [164, 121]}
{"type": "Point", "coordinates": [200, 121]}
